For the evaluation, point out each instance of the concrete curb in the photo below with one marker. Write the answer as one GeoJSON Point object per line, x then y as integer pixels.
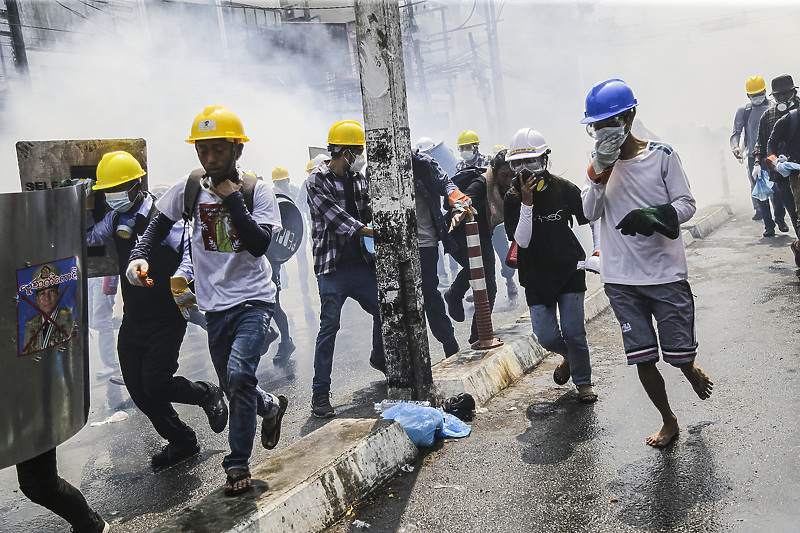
{"type": "Point", "coordinates": [483, 373]}
{"type": "Point", "coordinates": [706, 220]}
{"type": "Point", "coordinates": [310, 484]}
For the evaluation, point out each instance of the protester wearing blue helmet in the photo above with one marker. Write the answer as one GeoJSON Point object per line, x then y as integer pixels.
{"type": "Point", "coordinates": [640, 193]}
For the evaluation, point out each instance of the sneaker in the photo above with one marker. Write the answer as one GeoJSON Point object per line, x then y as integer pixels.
{"type": "Point", "coordinates": [782, 226]}
{"type": "Point", "coordinates": [769, 232]}
{"type": "Point", "coordinates": [285, 350]}
{"type": "Point", "coordinates": [172, 455]}
{"type": "Point", "coordinates": [321, 406]}
{"type": "Point", "coordinates": [455, 307]}
{"type": "Point", "coordinates": [272, 335]}
{"type": "Point", "coordinates": [215, 408]}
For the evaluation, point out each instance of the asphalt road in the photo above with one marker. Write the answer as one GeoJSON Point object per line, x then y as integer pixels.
{"type": "Point", "coordinates": [110, 463]}
{"type": "Point", "coordinates": [540, 461]}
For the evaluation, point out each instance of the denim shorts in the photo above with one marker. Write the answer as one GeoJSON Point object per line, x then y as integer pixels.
{"type": "Point", "coordinates": [672, 307]}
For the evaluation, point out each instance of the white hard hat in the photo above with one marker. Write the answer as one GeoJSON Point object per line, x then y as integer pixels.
{"type": "Point", "coordinates": [424, 144]}
{"type": "Point", "coordinates": [525, 144]}
{"type": "Point", "coordinates": [320, 158]}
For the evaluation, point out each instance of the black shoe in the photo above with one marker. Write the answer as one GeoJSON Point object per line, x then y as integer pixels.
{"type": "Point", "coordinates": [380, 367]}
{"type": "Point", "coordinates": [796, 251]}
{"type": "Point", "coordinates": [769, 232]}
{"type": "Point", "coordinates": [215, 408]}
{"type": "Point", "coordinates": [757, 216]}
{"type": "Point", "coordinates": [285, 350]}
{"type": "Point", "coordinates": [272, 335]}
{"type": "Point", "coordinates": [321, 406]}
{"type": "Point", "coordinates": [782, 226]}
{"type": "Point", "coordinates": [455, 307]}
{"type": "Point", "coordinates": [172, 455]}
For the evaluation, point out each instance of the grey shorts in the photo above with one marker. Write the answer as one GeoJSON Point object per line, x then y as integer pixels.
{"type": "Point", "coordinates": [672, 307]}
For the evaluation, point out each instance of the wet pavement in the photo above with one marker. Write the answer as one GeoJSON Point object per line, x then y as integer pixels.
{"type": "Point", "coordinates": [110, 462]}
{"type": "Point", "coordinates": [540, 461]}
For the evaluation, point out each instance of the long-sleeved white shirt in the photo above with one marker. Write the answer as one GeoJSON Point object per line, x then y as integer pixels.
{"type": "Point", "coordinates": [654, 177]}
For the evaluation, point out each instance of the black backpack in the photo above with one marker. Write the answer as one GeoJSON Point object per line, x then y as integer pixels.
{"type": "Point", "coordinates": [192, 191]}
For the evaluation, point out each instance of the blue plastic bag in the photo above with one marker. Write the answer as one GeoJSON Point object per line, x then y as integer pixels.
{"type": "Point", "coordinates": [419, 422]}
{"type": "Point", "coordinates": [762, 190]}
{"type": "Point", "coordinates": [423, 423]}
{"type": "Point", "coordinates": [453, 427]}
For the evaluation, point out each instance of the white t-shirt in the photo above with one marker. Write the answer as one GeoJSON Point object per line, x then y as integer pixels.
{"type": "Point", "coordinates": [225, 273]}
{"type": "Point", "coordinates": [654, 177]}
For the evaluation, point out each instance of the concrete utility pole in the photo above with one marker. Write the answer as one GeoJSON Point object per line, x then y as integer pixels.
{"type": "Point", "coordinates": [383, 91]}
{"type": "Point", "coordinates": [17, 42]}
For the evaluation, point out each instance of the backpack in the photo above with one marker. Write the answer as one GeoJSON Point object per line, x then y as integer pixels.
{"type": "Point", "coordinates": [192, 191]}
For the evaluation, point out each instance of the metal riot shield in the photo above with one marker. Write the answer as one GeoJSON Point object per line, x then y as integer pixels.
{"type": "Point", "coordinates": [44, 375]}
{"type": "Point", "coordinates": [45, 165]}
{"type": "Point", "coordinates": [284, 245]}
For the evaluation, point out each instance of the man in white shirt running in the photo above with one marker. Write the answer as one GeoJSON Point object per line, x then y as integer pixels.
{"type": "Point", "coordinates": [639, 191]}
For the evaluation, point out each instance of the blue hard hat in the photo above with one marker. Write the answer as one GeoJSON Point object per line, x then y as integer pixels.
{"type": "Point", "coordinates": [606, 99]}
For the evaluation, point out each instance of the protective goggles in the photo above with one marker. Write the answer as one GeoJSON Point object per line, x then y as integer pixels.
{"type": "Point", "coordinates": [611, 122]}
{"type": "Point", "coordinates": [532, 164]}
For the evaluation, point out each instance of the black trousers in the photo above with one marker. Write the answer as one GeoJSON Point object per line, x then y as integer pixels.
{"type": "Point", "coordinates": [148, 357]}
{"type": "Point", "coordinates": [40, 482]}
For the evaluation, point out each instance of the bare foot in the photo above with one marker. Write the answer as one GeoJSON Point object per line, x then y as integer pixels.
{"type": "Point", "coordinates": [662, 437]}
{"type": "Point", "coordinates": [700, 381]}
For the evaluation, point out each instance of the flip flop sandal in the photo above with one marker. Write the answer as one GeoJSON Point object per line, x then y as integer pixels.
{"type": "Point", "coordinates": [271, 436]}
{"type": "Point", "coordinates": [560, 377]}
{"type": "Point", "coordinates": [587, 397]}
{"type": "Point", "coordinates": [233, 479]}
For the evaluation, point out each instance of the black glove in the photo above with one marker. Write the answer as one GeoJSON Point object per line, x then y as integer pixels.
{"type": "Point", "coordinates": [648, 220]}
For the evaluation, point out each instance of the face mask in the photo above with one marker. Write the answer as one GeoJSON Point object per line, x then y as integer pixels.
{"type": "Point", "coordinates": [467, 155]}
{"type": "Point", "coordinates": [118, 201]}
{"type": "Point", "coordinates": [358, 164]}
{"type": "Point", "coordinates": [540, 179]}
{"type": "Point", "coordinates": [783, 106]}
{"type": "Point", "coordinates": [758, 100]}
{"type": "Point", "coordinates": [609, 140]}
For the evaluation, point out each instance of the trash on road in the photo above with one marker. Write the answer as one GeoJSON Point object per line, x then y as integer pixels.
{"type": "Point", "coordinates": [360, 524]}
{"type": "Point", "coordinates": [385, 404]}
{"type": "Point", "coordinates": [407, 468]}
{"type": "Point", "coordinates": [119, 416]}
{"type": "Point", "coordinates": [423, 423]}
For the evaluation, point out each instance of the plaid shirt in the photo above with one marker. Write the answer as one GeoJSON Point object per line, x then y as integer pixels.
{"type": "Point", "coordinates": [331, 225]}
{"type": "Point", "coordinates": [483, 161]}
{"type": "Point", "coordinates": [765, 125]}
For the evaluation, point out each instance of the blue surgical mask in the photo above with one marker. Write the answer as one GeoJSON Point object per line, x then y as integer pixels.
{"type": "Point", "coordinates": [758, 100]}
{"type": "Point", "coordinates": [119, 201]}
{"type": "Point", "coordinates": [358, 164]}
{"type": "Point", "coordinates": [467, 155]}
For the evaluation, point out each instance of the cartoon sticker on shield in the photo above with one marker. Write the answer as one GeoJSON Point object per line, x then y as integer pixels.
{"type": "Point", "coordinates": [46, 309]}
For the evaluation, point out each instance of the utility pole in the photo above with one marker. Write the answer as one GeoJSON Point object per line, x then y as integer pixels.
{"type": "Point", "coordinates": [383, 92]}
{"type": "Point", "coordinates": [18, 45]}
{"type": "Point", "coordinates": [501, 118]}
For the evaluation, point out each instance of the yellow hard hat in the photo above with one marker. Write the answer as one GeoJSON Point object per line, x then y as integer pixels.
{"type": "Point", "coordinates": [310, 165]}
{"type": "Point", "coordinates": [497, 147]}
{"type": "Point", "coordinates": [468, 137]}
{"type": "Point", "coordinates": [754, 85]}
{"type": "Point", "coordinates": [116, 168]}
{"type": "Point", "coordinates": [217, 122]}
{"type": "Point", "coordinates": [280, 173]}
{"type": "Point", "coordinates": [346, 133]}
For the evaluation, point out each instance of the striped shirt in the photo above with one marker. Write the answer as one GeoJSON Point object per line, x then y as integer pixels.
{"type": "Point", "coordinates": [331, 224]}
{"type": "Point", "coordinates": [482, 161]}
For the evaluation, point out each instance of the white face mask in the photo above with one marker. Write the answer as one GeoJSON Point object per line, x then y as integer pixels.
{"type": "Point", "coordinates": [467, 155]}
{"type": "Point", "coordinates": [758, 100]}
{"type": "Point", "coordinates": [358, 164]}
{"type": "Point", "coordinates": [783, 106]}
{"type": "Point", "coordinates": [609, 140]}
{"type": "Point", "coordinates": [118, 201]}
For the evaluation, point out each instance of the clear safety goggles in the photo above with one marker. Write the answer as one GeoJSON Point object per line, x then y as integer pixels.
{"type": "Point", "coordinates": [533, 164]}
{"type": "Point", "coordinates": [611, 122]}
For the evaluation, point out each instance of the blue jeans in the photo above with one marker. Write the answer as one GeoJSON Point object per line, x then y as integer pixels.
{"type": "Point", "coordinates": [570, 339]}
{"type": "Point", "coordinates": [235, 340]}
{"type": "Point", "coordinates": [359, 283]}
{"type": "Point", "coordinates": [438, 321]}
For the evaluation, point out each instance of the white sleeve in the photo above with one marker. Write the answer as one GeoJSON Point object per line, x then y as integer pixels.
{"type": "Point", "coordinates": [678, 189]}
{"type": "Point", "coordinates": [522, 235]}
{"type": "Point", "coordinates": [171, 204]}
{"type": "Point", "coordinates": [593, 196]}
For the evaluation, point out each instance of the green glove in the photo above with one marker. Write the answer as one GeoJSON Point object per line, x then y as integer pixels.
{"type": "Point", "coordinates": [648, 220]}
